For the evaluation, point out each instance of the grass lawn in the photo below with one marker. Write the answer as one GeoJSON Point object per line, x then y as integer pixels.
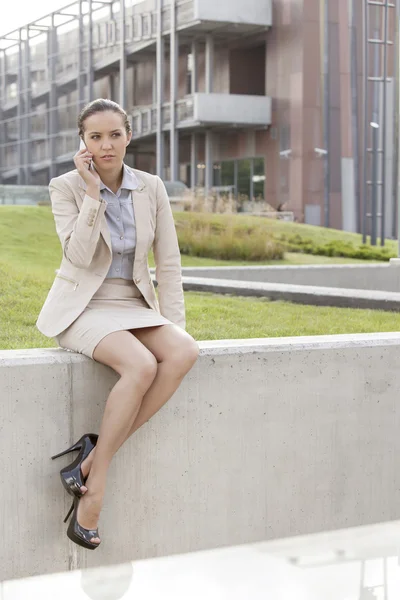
{"type": "Point", "coordinates": [30, 252]}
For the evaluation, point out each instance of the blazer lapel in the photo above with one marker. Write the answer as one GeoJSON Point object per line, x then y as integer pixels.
{"type": "Point", "coordinates": [141, 214]}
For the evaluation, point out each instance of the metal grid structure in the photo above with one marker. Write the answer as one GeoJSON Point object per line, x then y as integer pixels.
{"type": "Point", "coordinates": [376, 50]}
{"type": "Point", "coordinates": [40, 63]}
{"type": "Point", "coordinates": [49, 70]}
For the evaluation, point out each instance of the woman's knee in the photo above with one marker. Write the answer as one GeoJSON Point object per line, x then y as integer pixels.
{"type": "Point", "coordinates": [127, 356]}
{"type": "Point", "coordinates": [141, 368]}
{"type": "Point", "coordinates": [185, 354]}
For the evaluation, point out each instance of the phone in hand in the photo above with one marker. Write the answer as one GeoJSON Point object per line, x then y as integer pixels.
{"type": "Point", "coordinates": [82, 146]}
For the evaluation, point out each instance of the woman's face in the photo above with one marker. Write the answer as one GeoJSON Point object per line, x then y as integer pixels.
{"type": "Point", "coordinates": [105, 135]}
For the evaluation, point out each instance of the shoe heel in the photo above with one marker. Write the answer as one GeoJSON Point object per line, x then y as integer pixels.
{"type": "Point", "coordinates": [76, 446]}
{"type": "Point", "coordinates": [69, 512]}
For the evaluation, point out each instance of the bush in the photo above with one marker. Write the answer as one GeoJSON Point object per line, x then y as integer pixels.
{"type": "Point", "coordinates": [229, 237]}
{"type": "Point", "coordinates": [295, 243]}
{"type": "Point", "coordinates": [225, 241]}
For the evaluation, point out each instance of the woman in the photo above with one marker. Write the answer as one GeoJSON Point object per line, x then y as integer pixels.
{"type": "Point", "coordinates": [103, 304]}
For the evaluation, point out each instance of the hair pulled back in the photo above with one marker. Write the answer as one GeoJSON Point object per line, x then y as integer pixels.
{"type": "Point", "coordinates": [101, 105]}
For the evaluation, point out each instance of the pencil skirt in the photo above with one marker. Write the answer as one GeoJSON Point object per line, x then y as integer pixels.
{"type": "Point", "coordinates": [117, 305]}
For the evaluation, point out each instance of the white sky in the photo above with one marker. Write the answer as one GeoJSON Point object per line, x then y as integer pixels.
{"type": "Point", "coordinates": [21, 12]}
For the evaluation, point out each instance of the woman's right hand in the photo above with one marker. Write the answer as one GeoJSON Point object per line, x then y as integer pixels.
{"type": "Point", "coordinates": [82, 161]}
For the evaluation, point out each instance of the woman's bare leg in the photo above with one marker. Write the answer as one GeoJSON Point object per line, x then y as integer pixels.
{"type": "Point", "coordinates": [137, 368]}
{"type": "Point", "coordinates": [176, 353]}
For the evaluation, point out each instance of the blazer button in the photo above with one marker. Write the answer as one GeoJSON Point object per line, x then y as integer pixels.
{"type": "Point", "coordinates": [137, 279]}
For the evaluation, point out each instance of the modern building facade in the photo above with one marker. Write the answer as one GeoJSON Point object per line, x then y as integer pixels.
{"type": "Point", "coordinates": [228, 93]}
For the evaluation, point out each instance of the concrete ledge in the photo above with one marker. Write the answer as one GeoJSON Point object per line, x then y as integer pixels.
{"type": "Point", "coordinates": [379, 276]}
{"type": "Point", "coordinates": [264, 439]}
{"type": "Point", "coordinates": [301, 294]}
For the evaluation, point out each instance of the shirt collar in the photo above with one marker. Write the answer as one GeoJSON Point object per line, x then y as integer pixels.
{"type": "Point", "coordinates": [129, 180]}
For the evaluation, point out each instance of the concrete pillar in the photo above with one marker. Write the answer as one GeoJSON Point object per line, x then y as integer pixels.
{"type": "Point", "coordinates": [3, 66]}
{"type": "Point", "coordinates": [81, 79]}
{"type": "Point", "coordinates": [52, 106]}
{"type": "Point", "coordinates": [20, 110]}
{"type": "Point", "coordinates": [208, 183]}
{"type": "Point", "coordinates": [209, 58]}
{"type": "Point", "coordinates": [27, 108]}
{"type": "Point", "coordinates": [193, 161]}
{"type": "Point", "coordinates": [154, 83]}
{"type": "Point", "coordinates": [194, 78]}
{"type": "Point", "coordinates": [122, 58]}
{"type": "Point", "coordinates": [112, 85]}
{"type": "Point", "coordinates": [174, 54]}
{"type": "Point", "coordinates": [160, 92]}
{"type": "Point", "coordinates": [89, 70]}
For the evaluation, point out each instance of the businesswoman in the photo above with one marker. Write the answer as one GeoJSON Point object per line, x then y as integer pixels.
{"type": "Point", "coordinates": [102, 302]}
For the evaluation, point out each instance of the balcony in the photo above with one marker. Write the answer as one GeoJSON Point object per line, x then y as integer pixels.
{"type": "Point", "coordinates": [238, 17]}
{"type": "Point", "coordinates": [199, 110]}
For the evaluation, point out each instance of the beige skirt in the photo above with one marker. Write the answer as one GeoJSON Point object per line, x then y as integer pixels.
{"type": "Point", "coordinates": [117, 305]}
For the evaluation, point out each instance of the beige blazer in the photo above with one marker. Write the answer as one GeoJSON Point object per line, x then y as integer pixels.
{"type": "Point", "coordinates": [87, 254]}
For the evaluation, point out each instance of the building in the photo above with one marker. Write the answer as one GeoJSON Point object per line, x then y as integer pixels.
{"type": "Point", "coordinates": [253, 105]}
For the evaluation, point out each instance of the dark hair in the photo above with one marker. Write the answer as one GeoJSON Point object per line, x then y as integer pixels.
{"type": "Point", "coordinates": [101, 105]}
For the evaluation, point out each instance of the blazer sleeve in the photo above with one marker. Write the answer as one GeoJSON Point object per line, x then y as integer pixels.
{"type": "Point", "coordinates": [168, 260]}
{"type": "Point", "coordinates": [79, 231]}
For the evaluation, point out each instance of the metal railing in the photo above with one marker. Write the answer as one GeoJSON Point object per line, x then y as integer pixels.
{"type": "Point", "coordinates": [144, 118]}
{"type": "Point", "coordinates": [140, 25]}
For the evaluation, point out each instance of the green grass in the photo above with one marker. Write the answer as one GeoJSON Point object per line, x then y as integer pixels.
{"type": "Point", "coordinates": [213, 317]}
{"type": "Point", "coordinates": [30, 251]}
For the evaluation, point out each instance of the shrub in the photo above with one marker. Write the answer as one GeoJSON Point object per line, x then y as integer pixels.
{"type": "Point", "coordinates": [238, 238]}
{"type": "Point", "coordinates": [295, 243]}
{"type": "Point", "coordinates": [211, 239]}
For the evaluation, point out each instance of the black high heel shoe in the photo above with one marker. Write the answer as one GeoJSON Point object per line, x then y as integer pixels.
{"type": "Point", "coordinates": [71, 476]}
{"type": "Point", "coordinates": [79, 534]}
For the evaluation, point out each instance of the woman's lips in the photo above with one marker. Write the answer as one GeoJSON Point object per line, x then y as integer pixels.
{"type": "Point", "coordinates": [107, 157]}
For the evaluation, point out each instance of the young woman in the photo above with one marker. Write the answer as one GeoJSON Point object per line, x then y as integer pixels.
{"type": "Point", "coordinates": [103, 304]}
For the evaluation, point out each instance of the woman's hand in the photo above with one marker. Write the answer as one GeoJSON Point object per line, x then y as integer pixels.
{"type": "Point", "coordinates": [82, 160]}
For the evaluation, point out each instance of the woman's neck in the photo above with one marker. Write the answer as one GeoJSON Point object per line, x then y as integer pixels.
{"type": "Point", "coordinates": [112, 179]}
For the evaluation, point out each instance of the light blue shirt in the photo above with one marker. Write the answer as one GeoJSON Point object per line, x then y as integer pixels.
{"type": "Point", "coordinates": [120, 219]}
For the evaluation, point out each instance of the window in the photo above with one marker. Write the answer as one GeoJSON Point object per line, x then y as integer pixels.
{"type": "Point", "coordinates": [244, 178]}
{"type": "Point", "coordinates": [250, 176]}
{"type": "Point", "coordinates": [258, 178]}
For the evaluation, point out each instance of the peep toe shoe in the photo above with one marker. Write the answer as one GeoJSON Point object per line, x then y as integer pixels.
{"type": "Point", "coordinates": [71, 475]}
{"type": "Point", "coordinates": [79, 534]}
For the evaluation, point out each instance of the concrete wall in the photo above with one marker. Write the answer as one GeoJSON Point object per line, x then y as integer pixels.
{"type": "Point", "coordinates": [231, 108]}
{"type": "Point", "coordinates": [236, 11]}
{"type": "Point", "coordinates": [380, 276]}
{"type": "Point", "coordinates": [264, 439]}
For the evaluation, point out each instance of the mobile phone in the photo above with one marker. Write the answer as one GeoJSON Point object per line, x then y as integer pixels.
{"type": "Point", "coordinates": [82, 146]}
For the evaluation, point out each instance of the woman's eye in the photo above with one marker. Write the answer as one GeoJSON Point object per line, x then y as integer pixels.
{"type": "Point", "coordinates": [96, 136]}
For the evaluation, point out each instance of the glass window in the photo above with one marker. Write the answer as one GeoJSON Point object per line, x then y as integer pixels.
{"type": "Point", "coordinates": [228, 172]}
{"type": "Point", "coordinates": [244, 177]}
{"type": "Point", "coordinates": [259, 178]}
{"type": "Point", "coordinates": [217, 174]}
